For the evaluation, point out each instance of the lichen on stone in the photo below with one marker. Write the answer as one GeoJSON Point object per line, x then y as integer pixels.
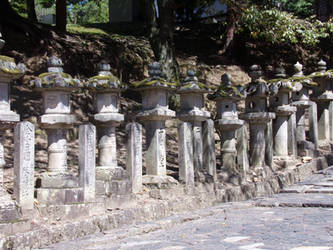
{"type": "Point", "coordinates": [226, 89]}
{"type": "Point", "coordinates": [191, 83]}
{"type": "Point", "coordinates": [105, 79]}
{"type": "Point", "coordinates": [9, 67]}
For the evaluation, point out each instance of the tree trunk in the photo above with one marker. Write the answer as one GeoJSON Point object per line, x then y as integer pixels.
{"type": "Point", "coordinates": [31, 11]}
{"type": "Point", "coordinates": [161, 35]}
{"type": "Point", "coordinates": [61, 15]}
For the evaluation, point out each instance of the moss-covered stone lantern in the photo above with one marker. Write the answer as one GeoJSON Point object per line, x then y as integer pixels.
{"type": "Point", "coordinates": [9, 71]}
{"type": "Point", "coordinates": [107, 88]}
{"type": "Point", "coordinates": [192, 109]}
{"type": "Point", "coordinates": [323, 96]}
{"type": "Point", "coordinates": [227, 122]}
{"type": "Point", "coordinates": [258, 117]}
{"type": "Point", "coordinates": [155, 111]}
{"type": "Point", "coordinates": [280, 104]}
{"type": "Point", "coordinates": [56, 87]}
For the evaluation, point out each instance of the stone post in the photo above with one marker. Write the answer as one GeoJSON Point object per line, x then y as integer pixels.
{"type": "Point", "coordinates": [87, 161]}
{"type": "Point", "coordinates": [258, 118]}
{"type": "Point", "coordinates": [185, 153]}
{"type": "Point", "coordinates": [283, 110]}
{"type": "Point", "coordinates": [24, 164]}
{"type": "Point", "coordinates": [323, 96]}
{"type": "Point", "coordinates": [192, 109]}
{"type": "Point", "coordinates": [209, 155]}
{"type": "Point", "coordinates": [134, 155]}
{"type": "Point", "coordinates": [302, 102]}
{"type": "Point", "coordinates": [106, 88]}
{"type": "Point", "coordinates": [8, 71]}
{"type": "Point", "coordinates": [155, 111]}
{"type": "Point", "coordinates": [227, 123]}
{"type": "Point", "coordinates": [242, 148]}
{"type": "Point", "coordinates": [58, 184]}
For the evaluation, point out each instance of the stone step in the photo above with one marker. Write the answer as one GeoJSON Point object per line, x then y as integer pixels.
{"type": "Point", "coordinates": [61, 196]}
{"type": "Point", "coordinates": [71, 212]}
{"type": "Point", "coordinates": [120, 201]}
{"type": "Point", "coordinates": [14, 227]}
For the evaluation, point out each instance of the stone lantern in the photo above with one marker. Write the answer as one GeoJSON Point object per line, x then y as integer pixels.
{"type": "Point", "coordinates": [9, 71]}
{"type": "Point", "coordinates": [56, 87]}
{"type": "Point", "coordinates": [323, 96]}
{"type": "Point", "coordinates": [107, 89]}
{"type": "Point", "coordinates": [155, 111]}
{"type": "Point", "coordinates": [227, 122]}
{"type": "Point", "coordinates": [302, 102]}
{"type": "Point", "coordinates": [192, 109]}
{"type": "Point", "coordinates": [258, 117]}
{"type": "Point", "coordinates": [283, 110]}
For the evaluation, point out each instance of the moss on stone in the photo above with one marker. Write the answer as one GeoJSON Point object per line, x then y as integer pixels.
{"type": "Point", "coordinates": [149, 82]}
{"type": "Point", "coordinates": [6, 58]}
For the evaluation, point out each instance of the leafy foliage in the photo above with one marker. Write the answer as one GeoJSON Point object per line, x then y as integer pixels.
{"type": "Point", "coordinates": [302, 8]}
{"type": "Point", "coordinates": [279, 27]}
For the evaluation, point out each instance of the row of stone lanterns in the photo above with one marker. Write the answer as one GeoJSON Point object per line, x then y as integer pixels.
{"type": "Point", "coordinates": [56, 87]}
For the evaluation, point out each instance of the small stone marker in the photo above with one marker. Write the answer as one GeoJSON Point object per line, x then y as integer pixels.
{"type": "Point", "coordinates": [87, 160]}
{"type": "Point", "coordinates": [24, 160]}
{"type": "Point", "coordinates": [209, 156]}
{"type": "Point", "coordinates": [292, 140]}
{"type": "Point", "coordinates": [269, 144]}
{"type": "Point", "coordinates": [331, 120]}
{"type": "Point", "coordinates": [242, 149]}
{"type": "Point", "coordinates": [313, 123]}
{"type": "Point", "coordinates": [134, 155]}
{"type": "Point", "coordinates": [185, 153]}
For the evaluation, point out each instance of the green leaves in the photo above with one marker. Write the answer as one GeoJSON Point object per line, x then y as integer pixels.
{"type": "Point", "coordinates": [279, 27]}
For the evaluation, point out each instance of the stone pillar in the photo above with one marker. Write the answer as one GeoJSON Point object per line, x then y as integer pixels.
{"type": "Point", "coordinates": [331, 120]}
{"type": "Point", "coordinates": [155, 111]}
{"type": "Point", "coordinates": [242, 149]}
{"type": "Point", "coordinates": [269, 151]}
{"type": "Point", "coordinates": [185, 153]}
{"type": "Point", "coordinates": [292, 140]}
{"type": "Point", "coordinates": [313, 124]}
{"type": "Point", "coordinates": [24, 164]}
{"type": "Point", "coordinates": [209, 155]}
{"type": "Point", "coordinates": [134, 155]}
{"type": "Point", "coordinates": [257, 144]}
{"type": "Point", "coordinates": [87, 161]}
{"type": "Point", "coordinates": [197, 145]}
{"type": "Point", "coordinates": [57, 150]}
{"type": "Point", "coordinates": [107, 147]}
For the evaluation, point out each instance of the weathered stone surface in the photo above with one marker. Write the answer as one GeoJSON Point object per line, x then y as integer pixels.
{"type": "Point", "coordinates": [156, 152]}
{"type": "Point", "coordinates": [107, 147]}
{"type": "Point", "coordinates": [24, 164]}
{"type": "Point", "coordinates": [313, 124]}
{"type": "Point", "coordinates": [134, 155]}
{"type": "Point", "coordinates": [52, 196]}
{"type": "Point", "coordinates": [292, 140]}
{"type": "Point", "coordinates": [209, 155]}
{"type": "Point", "coordinates": [57, 150]}
{"type": "Point", "coordinates": [242, 149]}
{"type": "Point", "coordinates": [87, 161]}
{"type": "Point", "coordinates": [185, 153]}
{"type": "Point", "coordinates": [197, 146]}
{"type": "Point", "coordinates": [269, 144]}
{"type": "Point", "coordinates": [58, 180]}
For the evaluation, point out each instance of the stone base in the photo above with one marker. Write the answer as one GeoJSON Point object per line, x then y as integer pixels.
{"type": "Point", "coordinates": [8, 210]}
{"type": "Point", "coordinates": [51, 196]}
{"type": "Point", "coordinates": [158, 180]}
{"type": "Point", "coordinates": [285, 161]}
{"type": "Point", "coordinates": [107, 173]}
{"type": "Point", "coordinates": [9, 117]}
{"type": "Point", "coordinates": [57, 121]}
{"type": "Point", "coordinates": [108, 118]}
{"type": "Point", "coordinates": [50, 180]}
{"type": "Point", "coordinates": [306, 148]}
{"type": "Point", "coordinates": [71, 212]}
{"type": "Point", "coordinates": [14, 227]}
{"type": "Point", "coordinates": [120, 201]}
